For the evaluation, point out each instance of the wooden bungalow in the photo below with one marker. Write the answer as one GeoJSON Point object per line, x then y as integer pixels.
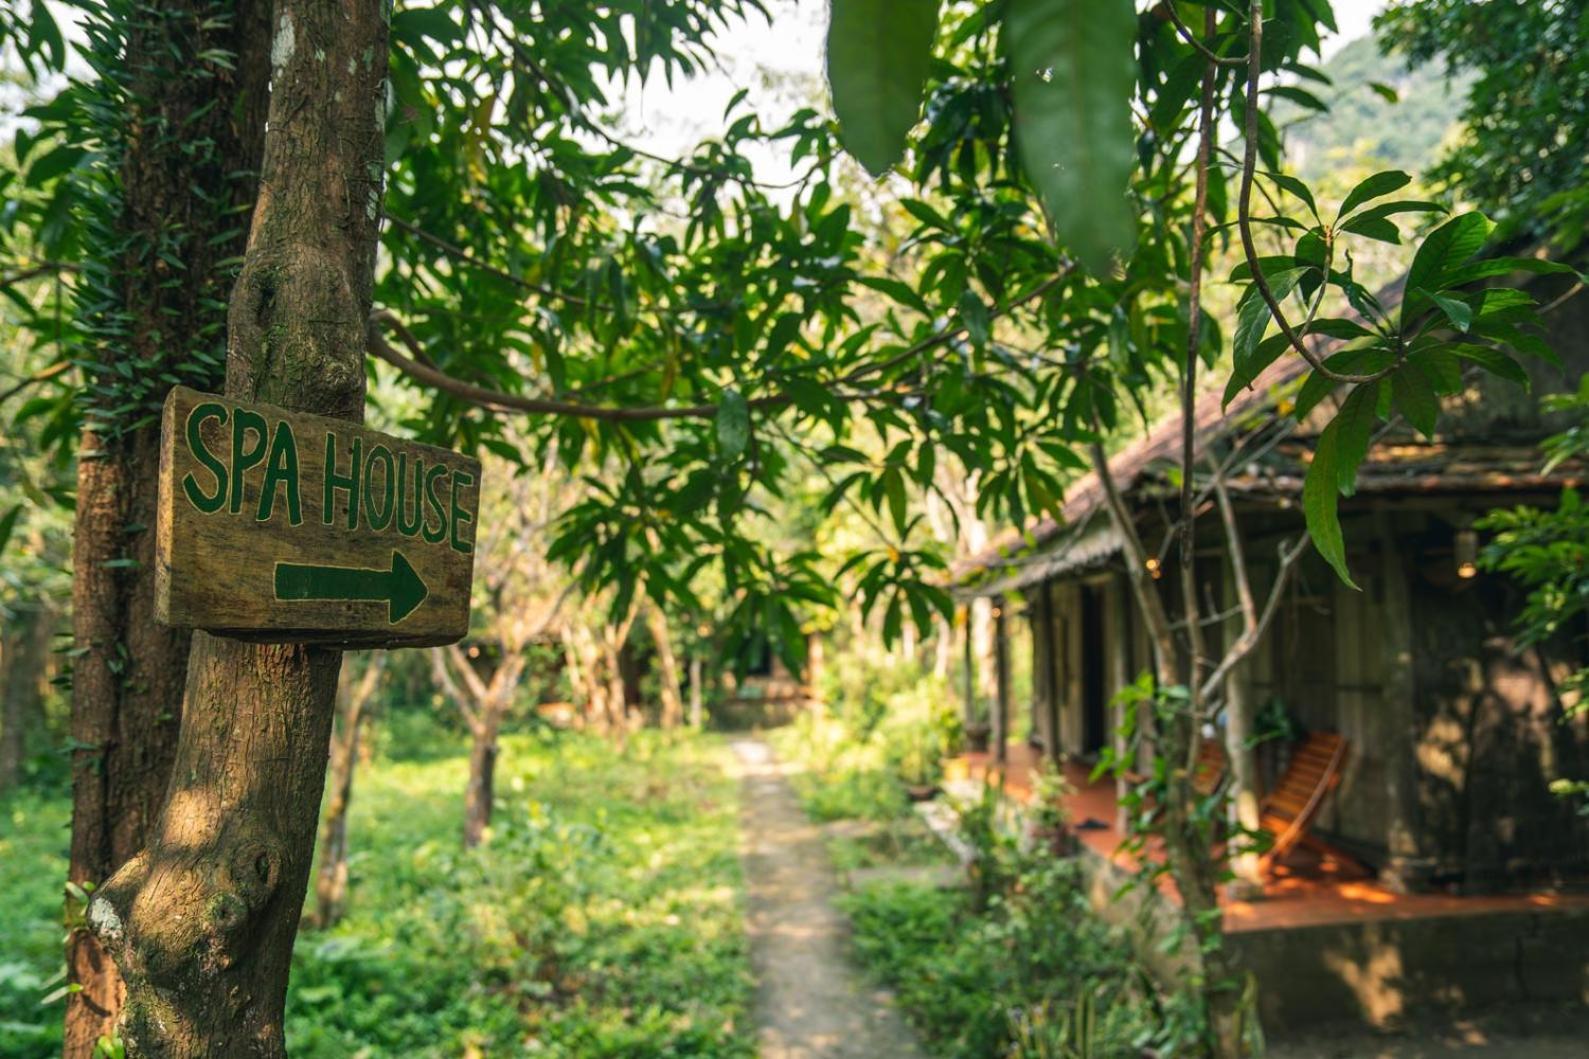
{"type": "Point", "coordinates": [1452, 732]}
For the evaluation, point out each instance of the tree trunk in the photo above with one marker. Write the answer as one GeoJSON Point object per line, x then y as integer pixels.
{"type": "Point", "coordinates": [587, 679]}
{"type": "Point", "coordinates": [696, 676]}
{"type": "Point", "coordinates": [201, 921]}
{"type": "Point", "coordinates": [672, 695]}
{"type": "Point", "coordinates": [1245, 864]}
{"type": "Point", "coordinates": [480, 795]}
{"type": "Point", "coordinates": [176, 203]}
{"type": "Point", "coordinates": [331, 882]}
{"type": "Point", "coordinates": [617, 695]}
{"type": "Point", "coordinates": [25, 664]}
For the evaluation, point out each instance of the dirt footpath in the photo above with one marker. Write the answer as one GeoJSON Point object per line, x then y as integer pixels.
{"type": "Point", "coordinates": [811, 1002]}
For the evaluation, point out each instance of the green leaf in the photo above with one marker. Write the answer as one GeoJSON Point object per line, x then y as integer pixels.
{"type": "Point", "coordinates": [894, 491]}
{"type": "Point", "coordinates": [1250, 353]}
{"type": "Point", "coordinates": [1503, 266]}
{"type": "Point", "coordinates": [1300, 96]}
{"type": "Point", "coordinates": [1075, 73]}
{"type": "Point", "coordinates": [1354, 429]}
{"type": "Point", "coordinates": [899, 291]}
{"type": "Point", "coordinates": [1297, 188]}
{"type": "Point", "coordinates": [879, 52]}
{"type": "Point", "coordinates": [49, 166]}
{"type": "Point", "coordinates": [1491, 360]}
{"type": "Point", "coordinates": [733, 424]}
{"type": "Point", "coordinates": [1341, 328]}
{"type": "Point", "coordinates": [1320, 504]}
{"type": "Point", "coordinates": [1375, 187]}
{"type": "Point", "coordinates": [412, 23]}
{"type": "Point", "coordinates": [1385, 231]}
{"type": "Point", "coordinates": [45, 33]}
{"type": "Point", "coordinates": [1415, 398]}
{"type": "Point", "coordinates": [1459, 312]}
{"type": "Point", "coordinates": [974, 314]}
{"type": "Point", "coordinates": [8, 523]}
{"type": "Point", "coordinates": [1386, 92]}
{"type": "Point", "coordinates": [1446, 249]}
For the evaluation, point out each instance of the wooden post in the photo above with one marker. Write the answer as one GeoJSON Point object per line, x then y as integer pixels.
{"type": "Point", "coordinates": [1240, 723]}
{"type": "Point", "coordinates": [1001, 662]}
{"type": "Point", "coordinates": [1118, 600]}
{"type": "Point", "coordinates": [1405, 867]}
{"type": "Point", "coordinates": [815, 660]}
{"type": "Point", "coordinates": [1053, 674]}
{"type": "Point", "coordinates": [968, 675]}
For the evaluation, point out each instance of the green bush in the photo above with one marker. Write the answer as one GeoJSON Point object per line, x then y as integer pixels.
{"type": "Point", "coordinates": [883, 726]}
{"type": "Point", "coordinates": [1008, 980]}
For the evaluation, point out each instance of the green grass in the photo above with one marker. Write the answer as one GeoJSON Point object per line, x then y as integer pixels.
{"type": "Point", "coordinates": [602, 918]}
{"type": "Point", "coordinates": [34, 837]}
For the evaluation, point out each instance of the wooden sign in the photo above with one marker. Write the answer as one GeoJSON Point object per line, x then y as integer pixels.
{"type": "Point", "coordinates": [280, 527]}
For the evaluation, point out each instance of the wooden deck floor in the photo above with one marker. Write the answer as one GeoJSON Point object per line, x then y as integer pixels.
{"type": "Point", "coordinates": [1304, 891]}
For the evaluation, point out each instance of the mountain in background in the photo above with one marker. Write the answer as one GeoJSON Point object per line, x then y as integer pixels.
{"type": "Point", "coordinates": [1362, 124]}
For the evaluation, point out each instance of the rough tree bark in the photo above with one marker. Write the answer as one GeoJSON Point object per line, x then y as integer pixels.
{"type": "Point", "coordinates": [201, 921]}
{"type": "Point", "coordinates": [25, 663]}
{"type": "Point", "coordinates": [331, 881]}
{"type": "Point", "coordinates": [127, 679]}
{"type": "Point", "coordinates": [672, 714]}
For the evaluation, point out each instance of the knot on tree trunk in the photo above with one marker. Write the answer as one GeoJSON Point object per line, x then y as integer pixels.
{"type": "Point", "coordinates": [177, 920]}
{"type": "Point", "coordinates": [297, 335]}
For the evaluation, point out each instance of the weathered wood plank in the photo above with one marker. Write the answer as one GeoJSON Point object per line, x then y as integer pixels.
{"type": "Point", "coordinates": [281, 527]}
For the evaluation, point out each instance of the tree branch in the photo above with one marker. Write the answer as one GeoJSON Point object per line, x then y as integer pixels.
{"type": "Point", "coordinates": [1158, 621]}
{"type": "Point", "coordinates": [43, 268]}
{"type": "Point", "coordinates": [1251, 637]}
{"type": "Point", "coordinates": [1191, 38]}
{"type": "Point", "coordinates": [42, 375]}
{"type": "Point", "coordinates": [1236, 550]}
{"type": "Point", "coordinates": [501, 401]}
{"type": "Point", "coordinates": [1187, 523]}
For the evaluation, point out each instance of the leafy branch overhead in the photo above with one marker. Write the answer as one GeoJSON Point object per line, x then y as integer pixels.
{"type": "Point", "coordinates": [700, 344]}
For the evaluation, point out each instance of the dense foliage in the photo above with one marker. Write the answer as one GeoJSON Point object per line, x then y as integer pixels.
{"type": "Point", "coordinates": [1528, 101]}
{"type": "Point", "coordinates": [1547, 551]}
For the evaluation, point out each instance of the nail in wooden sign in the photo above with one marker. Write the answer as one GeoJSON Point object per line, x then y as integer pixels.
{"type": "Point", "coordinates": [282, 527]}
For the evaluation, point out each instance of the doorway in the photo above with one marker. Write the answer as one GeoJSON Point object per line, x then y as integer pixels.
{"type": "Point", "coordinates": [1094, 701]}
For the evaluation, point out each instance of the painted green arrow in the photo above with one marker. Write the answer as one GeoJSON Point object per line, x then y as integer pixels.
{"type": "Point", "coordinates": [400, 587]}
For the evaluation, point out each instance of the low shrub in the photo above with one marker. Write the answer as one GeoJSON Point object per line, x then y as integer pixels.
{"type": "Point", "coordinates": [1011, 977]}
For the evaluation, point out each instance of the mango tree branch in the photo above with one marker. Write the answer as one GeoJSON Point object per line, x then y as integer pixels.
{"type": "Point", "coordinates": [443, 674]}
{"type": "Point", "coordinates": [1249, 246]}
{"type": "Point", "coordinates": [1233, 544]}
{"type": "Point", "coordinates": [1253, 634]}
{"type": "Point", "coordinates": [1186, 34]}
{"type": "Point", "coordinates": [415, 367]}
{"type": "Point", "coordinates": [1153, 612]}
